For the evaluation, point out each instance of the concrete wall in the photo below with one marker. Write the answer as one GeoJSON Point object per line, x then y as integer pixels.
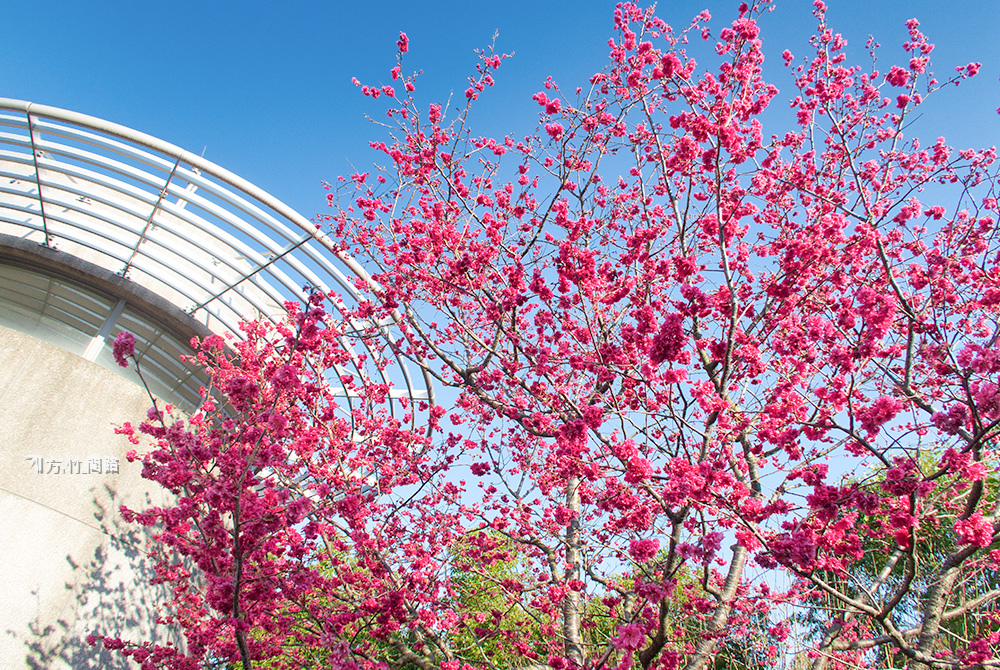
{"type": "Point", "coordinates": [69, 566]}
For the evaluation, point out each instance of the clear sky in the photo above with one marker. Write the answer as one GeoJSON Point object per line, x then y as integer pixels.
{"type": "Point", "coordinates": [265, 87]}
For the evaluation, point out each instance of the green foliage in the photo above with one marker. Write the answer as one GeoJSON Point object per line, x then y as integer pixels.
{"type": "Point", "coordinates": [498, 628]}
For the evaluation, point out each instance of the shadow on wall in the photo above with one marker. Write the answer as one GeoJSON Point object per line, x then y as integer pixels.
{"type": "Point", "coordinates": [69, 565]}
{"type": "Point", "coordinates": [111, 594]}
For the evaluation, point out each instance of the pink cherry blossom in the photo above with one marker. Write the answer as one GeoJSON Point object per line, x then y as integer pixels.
{"type": "Point", "coordinates": [123, 347]}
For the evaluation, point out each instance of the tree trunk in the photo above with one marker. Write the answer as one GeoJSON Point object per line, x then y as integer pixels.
{"type": "Point", "coordinates": [934, 605]}
{"type": "Point", "coordinates": [710, 637]}
{"type": "Point", "coordinates": [572, 602]}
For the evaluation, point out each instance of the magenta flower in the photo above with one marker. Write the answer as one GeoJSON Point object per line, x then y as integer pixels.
{"type": "Point", "coordinates": [643, 550]}
{"type": "Point", "coordinates": [975, 530]}
{"type": "Point", "coordinates": [123, 347]}
{"type": "Point", "coordinates": [242, 392]}
{"type": "Point", "coordinates": [285, 378]}
{"type": "Point", "coordinates": [630, 637]}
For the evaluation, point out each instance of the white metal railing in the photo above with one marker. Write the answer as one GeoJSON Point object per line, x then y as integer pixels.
{"type": "Point", "coordinates": [210, 243]}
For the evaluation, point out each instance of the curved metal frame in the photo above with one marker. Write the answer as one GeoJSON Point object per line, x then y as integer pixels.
{"type": "Point", "coordinates": [198, 236]}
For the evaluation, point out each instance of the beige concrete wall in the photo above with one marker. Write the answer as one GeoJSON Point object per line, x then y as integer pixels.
{"type": "Point", "coordinates": [68, 565]}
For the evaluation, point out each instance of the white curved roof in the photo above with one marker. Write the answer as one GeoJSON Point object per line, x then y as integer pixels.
{"type": "Point", "coordinates": [209, 243]}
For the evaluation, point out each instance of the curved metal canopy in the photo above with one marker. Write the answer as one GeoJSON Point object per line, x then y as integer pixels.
{"type": "Point", "coordinates": [215, 248]}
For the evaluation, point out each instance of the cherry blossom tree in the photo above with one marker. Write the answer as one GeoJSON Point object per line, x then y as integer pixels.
{"type": "Point", "coordinates": [708, 376]}
{"type": "Point", "coordinates": [298, 518]}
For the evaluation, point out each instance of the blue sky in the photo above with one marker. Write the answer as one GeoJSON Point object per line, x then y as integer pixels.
{"type": "Point", "coordinates": [265, 87]}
